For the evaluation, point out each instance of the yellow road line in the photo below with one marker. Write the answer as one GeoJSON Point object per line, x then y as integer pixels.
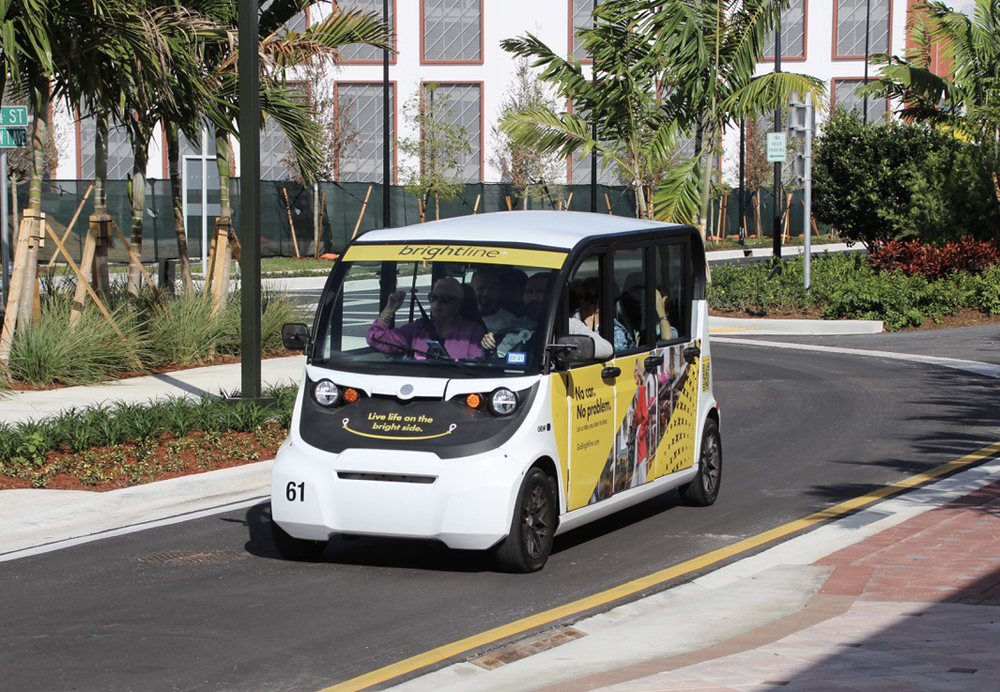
{"type": "Point", "coordinates": [635, 586]}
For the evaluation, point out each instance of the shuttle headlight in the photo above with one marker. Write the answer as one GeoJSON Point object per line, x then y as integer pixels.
{"type": "Point", "coordinates": [326, 393]}
{"type": "Point", "coordinates": [502, 402]}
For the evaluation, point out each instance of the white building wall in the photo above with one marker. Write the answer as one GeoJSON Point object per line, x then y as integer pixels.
{"type": "Point", "coordinates": [547, 19]}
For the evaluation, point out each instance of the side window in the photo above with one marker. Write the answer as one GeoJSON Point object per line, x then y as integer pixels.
{"type": "Point", "coordinates": [673, 291]}
{"type": "Point", "coordinates": [629, 296]}
{"type": "Point", "coordinates": [585, 293]}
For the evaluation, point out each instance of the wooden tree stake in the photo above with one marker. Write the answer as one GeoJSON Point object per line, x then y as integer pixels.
{"type": "Point", "coordinates": [291, 226]}
{"type": "Point", "coordinates": [69, 229]}
{"type": "Point", "coordinates": [364, 205]}
{"type": "Point", "coordinates": [132, 257]}
{"type": "Point", "coordinates": [83, 281]}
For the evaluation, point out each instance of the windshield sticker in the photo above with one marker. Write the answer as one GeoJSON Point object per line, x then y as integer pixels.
{"type": "Point", "coordinates": [478, 254]}
{"type": "Point", "coordinates": [517, 358]}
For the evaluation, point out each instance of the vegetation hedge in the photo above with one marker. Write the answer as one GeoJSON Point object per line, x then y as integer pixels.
{"type": "Point", "coordinates": [880, 182]}
{"type": "Point", "coordinates": [152, 330]}
{"type": "Point", "coordinates": [848, 286]}
{"type": "Point", "coordinates": [128, 443]}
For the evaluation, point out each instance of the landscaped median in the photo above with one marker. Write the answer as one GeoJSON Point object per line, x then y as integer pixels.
{"type": "Point", "coordinates": [902, 284]}
{"type": "Point", "coordinates": [125, 444]}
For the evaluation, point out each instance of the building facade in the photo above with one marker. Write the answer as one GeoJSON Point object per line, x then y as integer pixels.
{"type": "Point", "coordinates": [456, 44]}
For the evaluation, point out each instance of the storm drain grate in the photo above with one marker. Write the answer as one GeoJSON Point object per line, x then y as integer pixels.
{"type": "Point", "coordinates": [527, 647]}
{"type": "Point", "coordinates": [182, 557]}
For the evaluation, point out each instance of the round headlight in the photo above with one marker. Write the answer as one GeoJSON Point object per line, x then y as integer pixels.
{"type": "Point", "coordinates": [326, 393]}
{"type": "Point", "coordinates": [502, 402]}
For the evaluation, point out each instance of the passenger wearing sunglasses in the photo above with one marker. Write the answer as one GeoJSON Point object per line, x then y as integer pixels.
{"type": "Point", "coordinates": [444, 325]}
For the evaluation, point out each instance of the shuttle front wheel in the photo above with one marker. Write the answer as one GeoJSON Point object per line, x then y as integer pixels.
{"type": "Point", "coordinates": [533, 527]}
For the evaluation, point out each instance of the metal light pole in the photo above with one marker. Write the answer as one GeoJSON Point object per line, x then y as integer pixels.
{"type": "Point", "coordinates": [742, 206]}
{"type": "Point", "coordinates": [248, 64]}
{"type": "Point", "coordinates": [386, 150]}
{"type": "Point", "coordinates": [4, 243]}
{"type": "Point", "coordinates": [593, 130]}
{"type": "Point", "coordinates": [776, 231]}
{"type": "Point", "coordinates": [868, 19]}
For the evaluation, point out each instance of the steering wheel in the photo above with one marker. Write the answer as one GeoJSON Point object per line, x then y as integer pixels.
{"type": "Point", "coordinates": [498, 337]}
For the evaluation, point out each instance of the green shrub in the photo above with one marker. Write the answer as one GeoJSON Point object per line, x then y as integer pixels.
{"type": "Point", "coordinates": [24, 446]}
{"type": "Point", "coordinates": [186, 330]}
{"type": "Point", "coordinates": [48, 351]}
{"type": "Point", "coordinates": [877, 182]}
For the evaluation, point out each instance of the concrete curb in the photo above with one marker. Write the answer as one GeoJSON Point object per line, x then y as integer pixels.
{"type": "Point", "coordinates": [735, 325]}
{"type": "Point", "coordinates": [50, 519]}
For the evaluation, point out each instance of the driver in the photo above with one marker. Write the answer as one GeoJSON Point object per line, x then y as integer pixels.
{"type": "Point", "coordinates": [459, 337]}
{"type": "Point", "coordinates": [524, 327]}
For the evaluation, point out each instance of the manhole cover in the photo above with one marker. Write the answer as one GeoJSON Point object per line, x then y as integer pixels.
{"type": "Point", "coordinates": [181, 557]}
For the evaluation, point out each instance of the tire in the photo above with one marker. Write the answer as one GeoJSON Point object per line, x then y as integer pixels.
{"type": "Point", "coordinates": [297, 549]}
{"type": "Point", "coordinates": [527, 546]}
{"type": "Point", "coordinates": [704, 489]}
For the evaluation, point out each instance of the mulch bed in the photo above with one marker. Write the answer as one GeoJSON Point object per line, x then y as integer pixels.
{"type": "Point", "coordinates": [108, 468]}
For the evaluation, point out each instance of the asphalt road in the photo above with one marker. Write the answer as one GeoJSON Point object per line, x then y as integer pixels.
{"type": "Point", "coordinates": [207, 605]}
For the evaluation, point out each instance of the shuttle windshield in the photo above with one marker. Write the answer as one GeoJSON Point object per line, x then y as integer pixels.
{"type": "Point", "coordinates": [459, 311]}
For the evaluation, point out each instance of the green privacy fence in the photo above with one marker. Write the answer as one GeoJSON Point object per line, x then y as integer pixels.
{"type": "Point", "coordinates": [343, 209]}
{"type": "Point", "coordinates": [759, 206]}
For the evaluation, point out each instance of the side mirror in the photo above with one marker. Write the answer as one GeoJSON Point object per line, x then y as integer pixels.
{"type": "Point", "coordinates": [295, 336]}
{"type": "Point", "coordinates": [573, 349]}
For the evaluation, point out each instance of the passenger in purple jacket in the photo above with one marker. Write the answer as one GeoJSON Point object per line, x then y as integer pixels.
{"type": "Point", "coordinates": [459, 336]}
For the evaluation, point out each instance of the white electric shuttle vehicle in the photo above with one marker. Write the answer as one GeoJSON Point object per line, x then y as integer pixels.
{"type": "Point", "coordinates": [494, 380]}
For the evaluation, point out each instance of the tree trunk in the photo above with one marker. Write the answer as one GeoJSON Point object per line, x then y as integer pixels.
{"type": "Point", "coordinates": [138, 210]}
{"type": "Point", "coordinates": [223, 161]}
{"type": "Point", "coordinates": [177, 202]}
{"type": "Point", "coordinates": [39, 140]}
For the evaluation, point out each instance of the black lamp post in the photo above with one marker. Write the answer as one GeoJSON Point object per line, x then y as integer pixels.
{"type": "Point", "coordinates": [868, 18]}
{"type": "Point", "coordinates": [386, 139]}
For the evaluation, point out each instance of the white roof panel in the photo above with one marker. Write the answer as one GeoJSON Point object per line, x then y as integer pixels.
{"type": "Point", "coordinates": [551, 229]}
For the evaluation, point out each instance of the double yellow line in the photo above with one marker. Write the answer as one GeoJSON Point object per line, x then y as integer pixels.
{"type": "Point", "coordinates": [476, 641]}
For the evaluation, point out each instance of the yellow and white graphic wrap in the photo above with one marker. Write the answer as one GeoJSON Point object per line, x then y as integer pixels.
{"type": "Point", "coordinates": [472, 254]}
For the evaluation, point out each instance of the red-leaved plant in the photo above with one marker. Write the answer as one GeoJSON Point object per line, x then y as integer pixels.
{"type": "Point", "coordinates": [916, 259]}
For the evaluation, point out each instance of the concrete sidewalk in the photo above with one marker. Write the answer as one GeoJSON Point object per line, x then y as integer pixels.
{"type": "Point", "coordinates": [22, 405]}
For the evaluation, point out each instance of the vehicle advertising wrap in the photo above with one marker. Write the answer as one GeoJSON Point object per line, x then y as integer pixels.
{"type": "Point", "coordinates": [470, 254]}
{"type": "Point", "coordinates": [641, 429]}
{"type": "Point", "coordinates": [590, 426]}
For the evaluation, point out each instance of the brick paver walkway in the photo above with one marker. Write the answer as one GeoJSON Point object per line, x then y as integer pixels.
{"type": "Point", "coordinates": [919, 612]}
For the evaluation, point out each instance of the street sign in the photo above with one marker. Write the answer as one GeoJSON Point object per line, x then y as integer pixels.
{"type": "Point", "coordinates": [776, 147]}
{"type": "Point", "coordinates": [14, 116]}
{"type": "Point", "coordinates": [13, 138]}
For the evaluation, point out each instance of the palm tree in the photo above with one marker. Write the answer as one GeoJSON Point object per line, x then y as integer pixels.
{"type": "Point", "coordinates": [967, 99]}
{"type": "Point", "coordinates": [156, 73]}
{"type": "Point", "coordinates": [181, 34]}
{"type": "Point", "coordinates": [662, 69]}
{"type": "Point", "coordinates": [710, 51]}
{"type": "Point", "coordinates": [280, 51]}
{"type": "Point", "coordinates": [46, 45]}
{"type": "Point", "coordinates": [621, 100]}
